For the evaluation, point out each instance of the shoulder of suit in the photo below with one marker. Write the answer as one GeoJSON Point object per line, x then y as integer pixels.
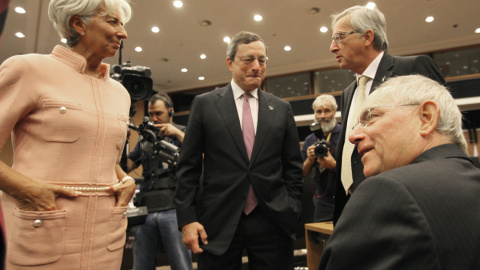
{"type": "Point", "coordinates": [271, 97]}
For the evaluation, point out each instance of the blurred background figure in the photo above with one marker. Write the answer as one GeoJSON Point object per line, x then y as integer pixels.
{"type": "Point", "coordinates": [65, 197]}
{"type": "Point", "coordinates": [318, 155]}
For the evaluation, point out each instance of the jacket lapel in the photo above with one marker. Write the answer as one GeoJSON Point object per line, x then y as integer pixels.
{"type": "Point", "coordinates": [266, 112]}
{"type": "Point", "coordinates": [228, 111]}
{"type": "Point", "coordinates": [384, 71]}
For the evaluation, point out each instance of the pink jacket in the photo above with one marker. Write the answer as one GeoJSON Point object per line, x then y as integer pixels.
{"type": "Point", "coordinates": [68, 129]}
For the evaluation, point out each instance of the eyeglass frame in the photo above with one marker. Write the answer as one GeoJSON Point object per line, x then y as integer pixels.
{"type": "Point", "coordinates": [365, 125]}
{"type": "Point", "coordinates": [249, 59]}
{"type": "Point", "coordinates": [337, 37]}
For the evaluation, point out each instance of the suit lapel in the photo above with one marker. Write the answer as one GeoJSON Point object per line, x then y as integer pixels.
{"type": "Point", "coordinates": [384, 71]}
{"type": "Point", "coordinates": [228, 111]}
{"type": "Point", "coordinates": [266, 111]}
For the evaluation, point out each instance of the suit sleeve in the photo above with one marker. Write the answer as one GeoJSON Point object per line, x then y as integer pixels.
{"type": "Point", "coordinates": [381, 227]}
{"type": "Point", "coordinates": [189, 167]}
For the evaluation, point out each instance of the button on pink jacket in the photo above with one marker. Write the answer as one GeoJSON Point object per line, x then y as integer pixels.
{"type": "Point", "coordinates": [68, 129]}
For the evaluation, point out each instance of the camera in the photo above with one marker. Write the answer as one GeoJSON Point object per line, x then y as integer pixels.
{"type": "Point", "coordinates": [155, 145]}
{"type": "Point", "coordinates": [322, 146]}
{"type": "Point", "coordinates": [136, 80]}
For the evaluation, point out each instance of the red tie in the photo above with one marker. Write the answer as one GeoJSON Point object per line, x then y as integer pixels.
{"type": "Point", "coordinates": [248, 131]}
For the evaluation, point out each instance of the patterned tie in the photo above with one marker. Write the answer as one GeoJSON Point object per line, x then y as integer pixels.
{"type": "Point", "coordinates": [347, 178]}
{"type": "Point", "coordinates": [248, 131]}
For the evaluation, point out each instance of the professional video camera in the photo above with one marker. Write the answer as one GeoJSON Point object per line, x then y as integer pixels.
{"type": "Point", "coordinates": [135, 78]}
{"type": "Point", "coordinates": [155, 145]}
{"type": "Point", "coordinates": [322, 146]}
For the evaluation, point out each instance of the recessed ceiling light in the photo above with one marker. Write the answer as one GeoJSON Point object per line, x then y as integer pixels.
{"type": "Point", "coordinates": [178, 4]}
{"type": "Point", "coordinates": [323, 29]}
{"type": "Point", "coordinates": [19, 35]}
{"type": "Point", "coordinates": [257, 17]}
{"type": "Point", "coordinates": [184, 70]}
{"type": "Point", "coordinates": [138, 49]}
{"type": "Point", "coordinates": [429, 19]}
{"type": "Point", "coordinates": [371, 5]}
{"type": "Point", "coordinates": [226, 39]}
{"type": "Point", "coordinates": [63, 40]}
{"type": "Point", "coordinates": [201, 78]}
{"type": "Point", "coordinates": [203, 56]}
{"type": "Point", "coordinates": [20, 10]}
{"type": "Point", "coordinates": [477, 30]}
{"type": "Point", "coordinates": [155, 29]}
{"type": "Point", "coordinates": [287, 48]}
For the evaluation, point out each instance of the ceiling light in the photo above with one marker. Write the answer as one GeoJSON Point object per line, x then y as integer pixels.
{"type": "Point", "coordinates": [201, 78]}
{"type": "Point", "coordinates": [19, 35]}
{"type": "Point", "coordinates": [20, 10]}
{"type": "Point", "coordinates": [184, 70]}
{"type": "Point", "coordinates": [138, 49]}
{"type": "Point", "coordinates": [226, 39]}
{"type": "Point", "coordinates": [323, 29]}
{"type": "Point", "coordinates": [155, 29]}
{"type": "Point", "coordinates": [477, 30]}
{"type": "Point", "coordinates": [429, 19]}
{"type": "Point", "coordinates": [203, 56]}
{"type": "Point", "coordinates": [371, 5]}
{"type": "Point", "coordinates": [287, 48]}
{"type": "Point", "coordinates": [178, 4]}
{"type": "Point", "coordinates": [63, 40]}
{"type": "Point", "coordinates": [257, 17]}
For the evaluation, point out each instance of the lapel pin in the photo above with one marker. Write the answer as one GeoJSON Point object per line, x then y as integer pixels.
{"type": "Point", "coordinates": [270, 108]}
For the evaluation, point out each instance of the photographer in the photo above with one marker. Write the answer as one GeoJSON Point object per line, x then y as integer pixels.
{"type": "Point", "coordinates": [318, 154]}
{"type": "Point", "coordinates": [156, 192]}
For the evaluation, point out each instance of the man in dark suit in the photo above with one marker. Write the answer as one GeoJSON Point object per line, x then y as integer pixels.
{"type": "Point", "coordinates": [419, 207]}
{"type": "Point", "coordinates": [360, 45]}
{"type": "Point", "coordinates": [261, 169]}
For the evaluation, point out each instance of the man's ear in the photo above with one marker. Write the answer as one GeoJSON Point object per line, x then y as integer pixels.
{"type": "Point", "coordinates": [77, 24]}
{"type": "Point", "coordinates": [429, 114]}
{"type": "Point", "coordinates": [230, 64]}
{"type": "Point", "coordinates": [369, 37]}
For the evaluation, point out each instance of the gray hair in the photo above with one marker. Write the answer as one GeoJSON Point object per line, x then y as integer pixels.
{"type": "Point", "coordinates": [324, 101]}
{"type": "Point", "coordinates": [415, 89]}
{"type": "Point", "coordinates": [362, 19]}
{"type": "Point", "coordinates": [242, 37]}
{"type": "Point", "coordinates": [60, 13]}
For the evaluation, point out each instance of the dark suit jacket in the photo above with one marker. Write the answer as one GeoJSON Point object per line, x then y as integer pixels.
{"type": "Point", "coordinates": [390, 66]}
{"type": "Point", "coordinates": [425, 215]}
{"type": "Point", "coordinates": [274, 171]}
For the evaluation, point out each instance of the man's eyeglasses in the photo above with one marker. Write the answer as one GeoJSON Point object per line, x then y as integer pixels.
{"type": "Point", "coordinates": [248, 60]}
{"type": "Point", "coordinates": [367, 117]}
{"type": "Point", "coordinates": [339, 36]}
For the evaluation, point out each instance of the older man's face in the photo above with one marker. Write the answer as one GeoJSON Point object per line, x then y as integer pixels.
{"type": "Point", "coordinates": [390, 139]}
{"type": "Point", "coordinates": [325, 115]}
{"type": "Point", "coordinates": [350, 50]}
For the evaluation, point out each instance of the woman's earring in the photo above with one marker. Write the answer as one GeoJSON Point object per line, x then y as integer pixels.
{"type": "Point", "coordinates": [83, 34]}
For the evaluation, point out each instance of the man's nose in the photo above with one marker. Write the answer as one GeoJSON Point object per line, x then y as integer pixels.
{"type": "Point", "coordinates": [357, 135]}
{"type": "Point", "coordinates": [333, 46]}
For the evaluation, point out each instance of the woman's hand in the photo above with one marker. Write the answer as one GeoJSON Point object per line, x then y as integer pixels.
{"type": "Point", "coordinates": [125, 189]}
{"type": "Point", "coordinates": [124, 192]}
{"type": "Point", "coordinates": [30, 194]}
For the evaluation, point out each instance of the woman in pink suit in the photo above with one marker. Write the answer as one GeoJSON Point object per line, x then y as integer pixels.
{"type": "Point", "coordinates": [65, 197]}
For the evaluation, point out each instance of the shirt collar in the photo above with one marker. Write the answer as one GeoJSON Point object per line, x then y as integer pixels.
{"type": "Point", "coordinates": [371, 70]}
{"type": "Point", "coordinates": [78, 62]}
{"type": "Point", "coordinates": [238, 92]}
